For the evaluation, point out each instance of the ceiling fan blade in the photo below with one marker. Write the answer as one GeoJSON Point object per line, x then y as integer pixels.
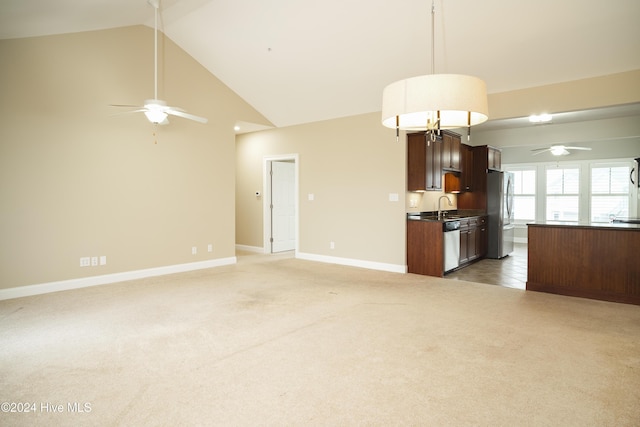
{"type": "Point", "coordinates": [540, 151]}
{"type": "Point", "coordinates": [125, 105]}
{"type": "Point", "coordinates": [139, 110]}
{"type": "Point", "coordinates": [176, 112]}
{"type": "Point", "coordinates": [578, 148]}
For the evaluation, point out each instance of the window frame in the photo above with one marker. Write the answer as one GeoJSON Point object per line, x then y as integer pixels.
{"type": "Point", "coordinates": [609, 164]}
{"type": "Point", "coordinates": [585, 166]}
{"type": "Point", "coordinates": [579, 194]}
{"type": "Point", "coordinates": [523, 168]}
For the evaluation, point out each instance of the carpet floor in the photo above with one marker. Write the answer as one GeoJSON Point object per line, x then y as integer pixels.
{"type": "Point", "coordinates": [277, 341]}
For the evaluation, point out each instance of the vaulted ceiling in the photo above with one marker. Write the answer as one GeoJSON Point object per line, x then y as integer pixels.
{"type": "Point", "coordinates": [299, 61]}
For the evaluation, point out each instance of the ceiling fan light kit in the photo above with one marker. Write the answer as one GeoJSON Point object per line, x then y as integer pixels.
{"type": "Point", "coordinates": [154, 111]}
{"type": "Point", "coordinates": [558, 150]}
{"type": "Point", "coordinates": [435, 101]}
{"type": "Point", "coordinates": [157, 110]}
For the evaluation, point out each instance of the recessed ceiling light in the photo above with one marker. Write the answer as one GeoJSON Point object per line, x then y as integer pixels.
{"type": "Point", "coordinates": [540, 118]}
{"type": "Point", "coordinates": [236, 128]}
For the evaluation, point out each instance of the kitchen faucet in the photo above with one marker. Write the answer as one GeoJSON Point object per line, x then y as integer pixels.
{"type": "Point", "coordinates": [440, 210]}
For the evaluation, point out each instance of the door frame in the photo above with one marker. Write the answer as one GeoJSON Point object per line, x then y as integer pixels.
{"type": "Point", "coordinates": [266, 191]}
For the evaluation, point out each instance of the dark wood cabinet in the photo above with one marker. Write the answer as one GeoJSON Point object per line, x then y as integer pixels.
{"type": "Point", "coordinates": [494, 158]}
{"type": "Point", "coordinates": [434, 163]}
{"type": "Point", "coordinates": [451, 145]}
{"type": "Point", "coordinates": [424, 163]}
{"type": "Point", "coordinates": [482, 242]}
{"type": "Point", "coordinates": [591, 261]}
{"type": "Point", "coordinates": [473, 239]}
{"type": "Point", "coordinates": [482, 156]}
{"type": "Point", "coordinates": [425, 248]}
{"type": "Point", "coordinates": [464, 242]}
{"type": "Point", "coordinates": [416, 162]}
{"type": "Point", "coordinates": [451, 183]}
{"type": "Point", "coordinates": [466, 175]}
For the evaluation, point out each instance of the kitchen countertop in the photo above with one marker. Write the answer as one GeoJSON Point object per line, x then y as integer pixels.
{"type": "Point", "coordinates": [451, 216]}
{"type": "Point", "coordinates": [586, 224]}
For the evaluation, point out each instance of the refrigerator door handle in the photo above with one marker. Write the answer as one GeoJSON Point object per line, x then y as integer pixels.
{"type": "Point", "coordinates": [509, 197]}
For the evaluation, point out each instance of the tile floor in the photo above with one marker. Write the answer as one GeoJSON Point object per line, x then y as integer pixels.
{"type": "Point", "coordinates": [510, 271]}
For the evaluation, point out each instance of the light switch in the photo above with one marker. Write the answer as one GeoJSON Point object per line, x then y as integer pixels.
{"type": "Point", "coordinates": [311, 196]}
{"type": "Point", "coordinates": [393, 197]}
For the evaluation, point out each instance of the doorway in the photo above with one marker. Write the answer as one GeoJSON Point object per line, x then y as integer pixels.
{"type": "Point", "coordinates": [280, 203]}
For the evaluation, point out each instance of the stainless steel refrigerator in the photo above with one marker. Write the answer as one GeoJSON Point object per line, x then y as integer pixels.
{"type": "Point", "coordinates": [500, 212]}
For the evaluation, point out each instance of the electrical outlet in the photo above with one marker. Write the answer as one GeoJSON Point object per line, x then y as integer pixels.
{"type": "Point", "coordinates": [85, 261]}
{"type": "Point", "coordinates": [194, 250]}
{"type": "Point", "coordinates": [103, 260]}
{"type": "Point", "coordinates": [332, 245]}
{"type": "Point", "coordinates": [210, 247]}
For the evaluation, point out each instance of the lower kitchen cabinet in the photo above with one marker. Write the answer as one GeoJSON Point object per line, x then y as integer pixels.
{"type": "Point", "coordinates": [483, 236]}
{"type": "Point", "coordinates": [425, 248]}
{"type": "Point", "coordinates": [473, 239]}
{"type": "Point", "coordinates": [426, 244]}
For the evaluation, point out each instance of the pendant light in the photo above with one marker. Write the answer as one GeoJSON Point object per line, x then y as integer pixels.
{"type": "Point", "coordinates": [434, 101]}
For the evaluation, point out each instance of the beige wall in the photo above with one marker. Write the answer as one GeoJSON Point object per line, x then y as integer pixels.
{"type": "Point", "coordinates": [351, 166]}
{"type": "Point", "coordinates": [583, 94]}
{"type": "Point", "coordinates": [75, 181]}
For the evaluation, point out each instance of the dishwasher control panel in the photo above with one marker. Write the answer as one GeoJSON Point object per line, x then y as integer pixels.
{"type": "Point", "coordinates": [450, 226]}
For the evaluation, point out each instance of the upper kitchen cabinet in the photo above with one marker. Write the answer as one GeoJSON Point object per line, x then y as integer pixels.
{"type": "Point", "coordinates": [494, 158]}
{"type": "Point", "coordinates": [424, 163]}
{"type": "Point", "coordinates": [487, 158]}
{"type": "Point", "coordinates": [466, 177]}
{"type": "Point", "coordinates": [451, 145]}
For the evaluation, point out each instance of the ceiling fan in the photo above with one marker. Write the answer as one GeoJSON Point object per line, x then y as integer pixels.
{"type": "Point", "coordinates": [156, 109]}
{"type": "Point", "coordinates": [558, 150]}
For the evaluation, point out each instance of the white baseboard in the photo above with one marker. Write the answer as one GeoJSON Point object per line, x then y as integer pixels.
{"type": "Point", "coordinates": [257, 249]}
{"type": "Point", "coordinates": [393, 268]}
{"type": "Point", "coordinates": [64, 285]}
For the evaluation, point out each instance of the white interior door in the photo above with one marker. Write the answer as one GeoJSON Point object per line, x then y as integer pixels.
{"type": "Point", "coordinates": [283, 206]}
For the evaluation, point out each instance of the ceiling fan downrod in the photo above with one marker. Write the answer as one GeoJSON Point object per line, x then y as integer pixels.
{"type": "Point", "coordinates": [156, 5]}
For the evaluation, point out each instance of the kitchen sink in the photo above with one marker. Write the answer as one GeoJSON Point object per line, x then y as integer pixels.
{"type": "Point", "coordinates": [435, 217]}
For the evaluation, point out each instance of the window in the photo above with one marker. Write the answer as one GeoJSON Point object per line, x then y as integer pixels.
{"type": "Point", "coordinates": [524, 195]}
{"type": "Point", "coordinates": [609, 192]}
{"type": "Point", "coordinates": [563, 185]}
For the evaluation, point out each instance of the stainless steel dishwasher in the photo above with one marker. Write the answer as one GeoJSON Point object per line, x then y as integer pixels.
{"type": "Point", "coordinates": [451, 232]}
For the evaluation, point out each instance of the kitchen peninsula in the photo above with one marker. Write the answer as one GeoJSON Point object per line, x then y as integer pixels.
{"type": "Point", "coordinates": [590, 260]}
